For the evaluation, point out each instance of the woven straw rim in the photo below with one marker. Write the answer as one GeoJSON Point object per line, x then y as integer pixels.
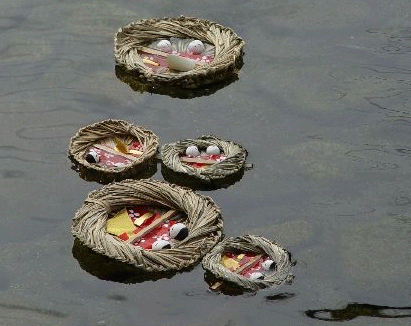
{"type": "Point", "coordinates": [252, 244]}
{"type": "Point", "coordinates": [227, 59]}
{"type": "Point", "coordinates": [94, 133]}
{"type": "Point", "coordinates": [234, 163]}
{"type": "Point", "coordinates": [204, 222]}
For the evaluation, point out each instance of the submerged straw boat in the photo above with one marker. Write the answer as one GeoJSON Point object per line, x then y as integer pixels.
{"type": "Point", "coordinates": [180, 52]}
{"type": "Point", "coordinates": [133, 222]}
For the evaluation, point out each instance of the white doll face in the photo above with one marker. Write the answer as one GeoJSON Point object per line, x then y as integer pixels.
{"type": "Point", "coordinates": [196, 47]}
{"type": "Point", "coordinates": [192, 151]}
{"type": "Point", "coordinates": [164, 45]}
{"type": "Point", "coordinates": [213, 150]}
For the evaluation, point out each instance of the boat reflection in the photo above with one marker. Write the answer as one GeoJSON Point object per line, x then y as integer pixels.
{"type": "Point", "coordinates": [176, 92]}
{"type": "Point", "coordinates": [109, 269]}
{"type": "Point", "coordinates": [354, 310]}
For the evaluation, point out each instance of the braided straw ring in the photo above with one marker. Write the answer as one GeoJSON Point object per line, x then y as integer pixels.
{"type": "Point", "coordinates": [232, 165]}
{"type": "Point", "coordinates": [203, 221]}
{"type": "Point", "coordinates": [227, 58]}
{"type": "Point", "coordinates": [249, 244]}
{"type": "Point", "coordinates": [95, 133]}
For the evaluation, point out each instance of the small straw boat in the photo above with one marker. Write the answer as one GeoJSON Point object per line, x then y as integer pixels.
{"type": "Point", "coordinates": [203, 162]}
{"type": "Point", "coordinates": [113, 150]}
{"type": "Point", "coordinates": [249, 262]}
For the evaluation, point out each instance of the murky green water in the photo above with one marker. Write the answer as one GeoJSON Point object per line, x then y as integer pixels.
{"type": "Point", "coordinates": [323, 105]}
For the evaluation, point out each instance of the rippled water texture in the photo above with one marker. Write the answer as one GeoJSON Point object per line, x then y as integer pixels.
{"type": "Point", "coordinates": [323, 105]}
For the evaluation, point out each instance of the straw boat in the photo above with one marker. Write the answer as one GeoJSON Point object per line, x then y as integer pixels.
{"type": "Point", "coordinates": [137, 49]}
{"type": "Point", "coordinates": [203, 170]}
{"type": "Point", "coordinates": [101, 224]}
{"type": "Point", "coordinates": [249, 262]}
{"type": "Point", "coordinates": [113, 150]}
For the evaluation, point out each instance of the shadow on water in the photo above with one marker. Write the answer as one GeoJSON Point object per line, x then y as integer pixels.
{"type": "Point", "coordinates": [47, 312]}
{"type": "Point", "coordinates": [232, 289]}
{"type": "Point", "coordinates": [109, 269]}
{"type": "Point", "coordinates": [354, 310]}
{"type": "Point", "coordinates": [146, 171]}
{"type": "Point", "coordinates": [186, 180]}
{"type": "Point", "coordinates": [176, 92]}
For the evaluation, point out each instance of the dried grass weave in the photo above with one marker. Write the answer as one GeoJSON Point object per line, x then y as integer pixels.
{"type": "Point", "coordinates": [227, 58]}
{"type": "Point", "coordinates": [204, 222]}
{"type": "Point", "coordinates": [94, 133]}
{"type": "Point", "coordinates": [251, 244]}
{"type": "Point", "coordinates": [234, 163]}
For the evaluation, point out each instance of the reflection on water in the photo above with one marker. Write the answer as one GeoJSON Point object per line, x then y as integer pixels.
{"type": "Point", "coordinates": [109, 269]}
{"type": "Point", "coordinates": [279, 297]}
{"type": "Point", "coordinates": [354, 310]}
{"type": "Point", "coordinates": [176, 92]}
{"type": "Point", "coordinates": [21, 308]}
{"type": "Point", "coordinates": [189, 181]}
{"type": "Point", "coordinates": [323, 104]}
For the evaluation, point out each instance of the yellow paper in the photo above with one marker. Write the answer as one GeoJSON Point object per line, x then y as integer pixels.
{"type": "Point", "coordinates": [120, 223]}
{"type": "Point", "coordinates": [120, 146]}
{"type": "Point", "coordinates": [240, 256]}
{"type": "Point", "coordinates": [229, 262]}
{"type": "Point", "coordinates": [142, 218]}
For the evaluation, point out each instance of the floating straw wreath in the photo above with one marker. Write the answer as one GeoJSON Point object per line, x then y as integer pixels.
{"type": "Point", "coordinates": [254, 245]}
{"type": "Point", "coordinates": [230, 165]}
{"type": "Point", "coordinates": [122, 149]}
{"type": "Point", "coordinates": [203, 220]}
{"type": "Point", "coordinates": [224, 45]}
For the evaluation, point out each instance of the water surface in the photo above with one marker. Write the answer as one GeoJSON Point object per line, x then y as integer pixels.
{"type": "Point", "coordinates": [323, 105]}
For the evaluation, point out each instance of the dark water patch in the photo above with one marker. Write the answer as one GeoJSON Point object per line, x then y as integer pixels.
{"type": "Point", "coordinates": [279, 297]}
{"type": "Point", "coordinates": [354, 310]}
{"type": "Point", "coordinates": [141, 86]}
{"type": "Point", "coordinates": [396, 40]}
{"type": "Point", "coordinates": [109, 269]}
{"type": "Point", "coordinates": [24, 155]}
{"type": "Point", "coordinates": [117, 297]}
{"type": "Point", "coordinates": [402, 201]}
{"type": "Point", "coordinates": [13, 174]}
{"type": "Point", "coordinates": [11, 21]}
{"type": "Point", "coordinates": [44, 220]}
{"type": "Point", "coordinates": [47, 312]}
{"type": "Point", "coordinates": [5, 279]}
{"type": "Point", "coordinates": [376, 157]}
{"type": "Point", "coordinates": [46, 132]}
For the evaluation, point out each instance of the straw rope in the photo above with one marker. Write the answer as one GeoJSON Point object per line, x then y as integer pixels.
{"type": "Point", "coordinates": [95, 133]}
{"type": "Point", "coordinates": [236, 156]}
{"type": "Point", "coordinates": [204, 222]}
{"type": "Point", "coordinates": [227, 58]}
{"type": "Point", "coordinates": [249, 244]}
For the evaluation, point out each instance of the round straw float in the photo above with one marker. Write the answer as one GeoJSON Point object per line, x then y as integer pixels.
{"type": "Point", "coordinates": [152, 225]}
{"type": "Point", "coordinates": [113, 150]}
{"type": "Point", "coordinates": [181, 52]}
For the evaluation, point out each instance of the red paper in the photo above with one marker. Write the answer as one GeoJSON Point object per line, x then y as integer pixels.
{"type": "Point", "coordinates": [257, 267]}
{"type": "Point", "coordinates": [110, 159]}
{"type": "Point", "coordinates": [160, 232]}
{"type": "Point", "coordinates": [217, 158]}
